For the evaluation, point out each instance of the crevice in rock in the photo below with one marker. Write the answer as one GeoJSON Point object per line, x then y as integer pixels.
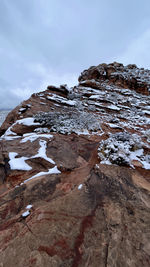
{"type": "Point", "coordinates": [25, 224]}
{"type": "Point", "coordinates": [108, 242]}
{"type": "Point", "coordinates": [106, 255]}
{"type": "Point", "coordinates": [87, 222]}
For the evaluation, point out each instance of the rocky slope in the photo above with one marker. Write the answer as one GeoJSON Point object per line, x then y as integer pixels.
{"type": "Point", "coordinates": [75, 173]}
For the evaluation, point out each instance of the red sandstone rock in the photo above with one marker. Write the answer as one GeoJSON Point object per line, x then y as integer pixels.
{"type": "Point", "coordinates": [123, 76]}
{"type": "Point", "coordinates": [81, 158]}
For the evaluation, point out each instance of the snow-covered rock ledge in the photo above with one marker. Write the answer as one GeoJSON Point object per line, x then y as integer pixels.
{"type": "Point", "coordinates": [75, 173]}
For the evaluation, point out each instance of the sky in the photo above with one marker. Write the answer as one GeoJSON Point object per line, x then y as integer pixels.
{"type": "Point", "coordinates": [44, 42]}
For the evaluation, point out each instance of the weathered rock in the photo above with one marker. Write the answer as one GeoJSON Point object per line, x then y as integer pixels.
{"type": "Point", "coordinates": [129, 76]}
{"type": "Point", "coordinates": [75, 174]}
{"type": "Point", "coordinates": [63, 89]}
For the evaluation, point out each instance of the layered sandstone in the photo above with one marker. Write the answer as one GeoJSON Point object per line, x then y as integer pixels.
{"type": "Point", "coordinates": [75, 173]}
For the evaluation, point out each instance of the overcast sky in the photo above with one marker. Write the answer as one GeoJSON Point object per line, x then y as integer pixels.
{"type": "Point", "coordinates": [51, 41]}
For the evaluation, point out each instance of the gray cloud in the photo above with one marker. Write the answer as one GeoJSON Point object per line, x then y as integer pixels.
{"type": "Point", "coordinates": [52, 41]}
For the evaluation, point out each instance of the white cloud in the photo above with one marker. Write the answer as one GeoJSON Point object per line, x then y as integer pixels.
{"type": "Point", "coordinates": [48, 76]}
{"type": "Point", "coordinates": [137, 51]}
{"type": "Point", "coordinates": [42, 78]}
{"type": "Point", "coordinates": [22, 93]}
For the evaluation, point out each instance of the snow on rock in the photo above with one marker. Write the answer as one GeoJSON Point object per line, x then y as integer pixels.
{"type": "Point", "coordinates": [50, 171]}
{"type": "Point", "coordinates": [18, 163]}
{"type": "Point", "coordinates": [129, 76]}
{"type": "Point", "coordinates": [33, 136]}
{"type": "Point", "coordinates": [70, 121]}
{"type": "Point", "coordinates": [42, 152]}
{"type": "Point", "coordinates": [22, 109]}
{"type": "Point", "coordinates": [26, 214]}
{"type": "Point", "coordinates": [82, 132]}
{"type": "Point", "coordinates": [84, 184]}
{"type": "Point", "coordinates": [147, 112]}
{"type": "Point", "coordinates": [28, 207]}
{"type": "Point", "coordinates": [61, 100]}
{"type": "Point", "coordinates": [113, 107]}
{"type": "Point", "coordinates": [10, 132]}
{"type": "Point", "coordinates": [121, 149]}
{"type": "Point", "coordinates": [9, 135]}
{"type": "Point", "coordinates": [27, 121]}
{"type": "Point", "coordinates": [147, 135]}
{"type": "Point", "coordinates": [42, 130]}
{"type": "Point", "coordinates": [95, 97]}
{"type": "Point", "coordinates": [114, 126]}
{"type": "Point", "coordinates": [80, 186]}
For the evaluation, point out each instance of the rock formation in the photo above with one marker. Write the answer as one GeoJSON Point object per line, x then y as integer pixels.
{"type": "Point", "coordinates": [75, 173]}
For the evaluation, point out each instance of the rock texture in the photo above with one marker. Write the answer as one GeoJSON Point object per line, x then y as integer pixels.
{"type": "Point", "coordinates": [125, 76]}
{"type": "Point", "coordinates": [75, 173]}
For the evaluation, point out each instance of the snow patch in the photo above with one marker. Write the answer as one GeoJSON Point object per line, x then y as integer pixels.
{"type": "Point", "coordinates": [61, 100]}
{"type": "Point", "coordinates": [28, 207]}
{"type": "Point", "coordinates": [27, 122]}
{"type": "Point", "coordinates": [69, 122]}
{"type": "Point", "coordinates": [80, 186]}
{"type": "Point", "coordinates": [50, 171]}
{"type": "Point", "coordinates": [18, 163]}
{"type": "Point", "coordinates": [121, 149]}
{"type": "Point", "coordinates": [113, 107]}
{"type": "Point", "coordinates": [33, 136]}
{"type": "Point", "coordinates": [26, 214]}
{"type": "Point", "coordinates": [42, 130]}
{"type": "Point", "coordinates": [42, 152]}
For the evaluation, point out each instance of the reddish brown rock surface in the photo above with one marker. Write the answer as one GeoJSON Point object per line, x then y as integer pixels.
{"type": "Point", "coordinates": [75, 173]}
{"type": "Point", "coordinates": [129, 76]}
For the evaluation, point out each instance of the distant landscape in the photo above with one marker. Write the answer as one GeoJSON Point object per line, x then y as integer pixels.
{"type": "Point", "coordinates": [3, 114]}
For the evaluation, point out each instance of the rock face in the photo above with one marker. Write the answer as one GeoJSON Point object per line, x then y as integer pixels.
{"type": "Point", "coordinates": [75, 173]}
{"type": "Point", "coordinates": [128, 76]}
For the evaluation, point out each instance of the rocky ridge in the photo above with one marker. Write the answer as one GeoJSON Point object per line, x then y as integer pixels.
{"type": "Point", "coordinates": [75, 173]}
